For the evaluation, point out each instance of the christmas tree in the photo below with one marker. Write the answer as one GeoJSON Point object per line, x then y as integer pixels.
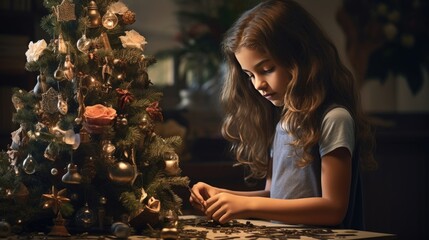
{"type": "Point", "coordinates": [86, 150]}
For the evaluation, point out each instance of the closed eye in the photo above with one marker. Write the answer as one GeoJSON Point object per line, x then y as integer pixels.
{"type": "Point", "coordinates": [263, 71]}
{"type": "Point", "coordinates": [267, 71]}
{"type": "Point", "coordinates": [247, 75]}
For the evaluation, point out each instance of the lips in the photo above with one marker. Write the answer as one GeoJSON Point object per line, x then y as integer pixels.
{"type": "Point", "coordinates": [268, 96]}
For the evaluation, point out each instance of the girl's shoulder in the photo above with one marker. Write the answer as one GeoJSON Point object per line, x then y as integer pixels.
{"type": "Point", "coordinates": [336, 111]}
{"type": "Point", "coordinates": [337, 130]}
{"type": "Point", "coordinates": [337, 114]}
{"type": "Point", "coordinates": [328, 107]}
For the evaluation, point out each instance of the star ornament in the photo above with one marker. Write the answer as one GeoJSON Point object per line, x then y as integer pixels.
{"type": "Point", "coordinates": [55, 199]}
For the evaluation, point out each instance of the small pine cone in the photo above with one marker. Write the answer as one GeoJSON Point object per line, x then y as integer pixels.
{"type": "Point", "coordinates": [129, 17]}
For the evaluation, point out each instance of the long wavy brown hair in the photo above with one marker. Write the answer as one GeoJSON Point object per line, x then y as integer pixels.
{"type": "Point", "coordinates": [292, 38]}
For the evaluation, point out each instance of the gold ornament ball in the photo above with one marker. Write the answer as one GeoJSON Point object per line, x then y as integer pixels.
{"type": "Point", "coordinates": [121, 172]}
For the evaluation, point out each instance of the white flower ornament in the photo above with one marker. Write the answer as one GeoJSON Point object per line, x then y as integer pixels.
{"type": "Point", "coordinates": [133, 39]}
{"type": "Point", "coordinates": [35, 50]}
{"type": "Point", "coordinates": [118, 8]}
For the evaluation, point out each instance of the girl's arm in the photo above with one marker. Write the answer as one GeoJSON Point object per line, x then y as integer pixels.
{"type": "Point", "coordinates": [202, 191]}
{"type": "Point", "coordinates": [329, 209]}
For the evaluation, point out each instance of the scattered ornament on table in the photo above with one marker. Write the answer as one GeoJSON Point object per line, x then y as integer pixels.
{"type": "Point", "coordinates": [252, 231]}
{"type": "Point", "coordinates": [169, 233]}
{"type": "Point", "coordinates": [121, 230]}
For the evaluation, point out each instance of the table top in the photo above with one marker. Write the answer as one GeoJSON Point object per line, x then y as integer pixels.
{"type": "Point", "coordinates": [198, 227]}
{"type": "Point", "coordinates": [258, 229]}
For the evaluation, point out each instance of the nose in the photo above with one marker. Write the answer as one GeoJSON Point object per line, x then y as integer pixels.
{"type": "Point", "coordinates": [260, 84]}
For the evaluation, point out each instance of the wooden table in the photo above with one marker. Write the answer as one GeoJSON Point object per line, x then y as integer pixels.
{"type": "Point", "coordinates": [257, 229]}
{"type": "Point", "coordinates": [198, 227]}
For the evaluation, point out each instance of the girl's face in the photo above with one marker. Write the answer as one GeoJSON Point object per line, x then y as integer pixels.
{"type": "Point", "coordinates": [269, 78]}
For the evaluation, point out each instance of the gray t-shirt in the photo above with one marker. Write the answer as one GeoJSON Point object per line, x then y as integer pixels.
{"type": "Point", "coordinates": [290, 181]}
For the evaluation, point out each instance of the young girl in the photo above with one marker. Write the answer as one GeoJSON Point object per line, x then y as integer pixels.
{"type": "Point", "coordinates": [293, 117]}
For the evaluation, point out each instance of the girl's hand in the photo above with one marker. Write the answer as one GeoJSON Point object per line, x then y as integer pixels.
{"type": "Point", "coordinates": [199, 192]}
{"type": "Point", "coordinates": [224, 207]}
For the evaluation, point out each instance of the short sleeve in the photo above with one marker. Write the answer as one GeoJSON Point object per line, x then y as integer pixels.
{"type": "Point", "coordinates": [337, 131]}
